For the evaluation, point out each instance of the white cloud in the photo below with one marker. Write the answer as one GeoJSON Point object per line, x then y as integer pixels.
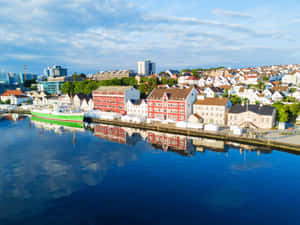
{"type": "Point", "coordinates": [83, 33]}
{"type": "Point", "coordinates": [228, 13]}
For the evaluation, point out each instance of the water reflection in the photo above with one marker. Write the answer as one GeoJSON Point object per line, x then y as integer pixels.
{"type": "Point", "coordinates": [183, 145]}
{"type": "Point", "coordinates": [44, 167]}
{"type": "Point", "coordinates": [38, 165]}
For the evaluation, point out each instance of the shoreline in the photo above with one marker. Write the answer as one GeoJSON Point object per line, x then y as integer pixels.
{"type": "Point", "coordinates": [204, 134]}
{"type": "Point", "coordinates": [269, 143]}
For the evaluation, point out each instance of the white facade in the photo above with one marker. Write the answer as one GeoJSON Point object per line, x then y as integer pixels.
{"type": "Point", "coordinates": [213, 113]}
{"type": "Point", "coordinates": [18, 100]}
{"type": "Point", "coordinates": [138, 108]}
{"type": "Point", "coordinates": [289, 79]}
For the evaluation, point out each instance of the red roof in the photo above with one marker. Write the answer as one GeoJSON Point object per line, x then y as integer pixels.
{"type": "Point", "coordinates": [193, 78]}
{"type": "Point", "coordinates": [12, 92]}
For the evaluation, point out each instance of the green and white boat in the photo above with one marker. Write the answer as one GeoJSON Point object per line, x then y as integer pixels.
{"type": "Point", "coordinates": [66, 117]}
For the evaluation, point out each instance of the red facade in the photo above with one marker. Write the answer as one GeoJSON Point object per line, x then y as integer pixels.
{"type": "Point", "coordinates": [110, 102]}
{"type": "Point", "coordinates": [164, 109]}
{"type": "Point", "coordinates": [167, 141]}
{"type": "Point", "coordinates": [114, 134]}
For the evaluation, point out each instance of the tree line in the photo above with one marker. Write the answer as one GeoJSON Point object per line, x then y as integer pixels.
{"type": "Point", "coordinates": [145, 86]}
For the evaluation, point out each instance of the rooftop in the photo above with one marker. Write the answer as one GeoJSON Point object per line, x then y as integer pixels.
{"type": "Point", "coordinates": [113, 88]}
{"type": "Point", "coordinates": [12, 92]}
{"type": "Point", "coordinates": [172, 93]}
{"type": "Point", "coordinates": [262, 110]}
{"type": "Point", "coordinates": [212, 101]}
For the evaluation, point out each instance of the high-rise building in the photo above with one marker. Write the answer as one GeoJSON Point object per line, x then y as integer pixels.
{"type": "Point", "coordinates": [4, 78]}
{"type": "Point", "coordinates": [55, 71]}
{"type": "Point", "coordinates": [146, 67]}
{"type": "Point", "coordinates": [27, 76]}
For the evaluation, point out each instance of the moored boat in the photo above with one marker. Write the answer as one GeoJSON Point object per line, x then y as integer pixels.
{"type": "Point", "coordinates": [74, 117]}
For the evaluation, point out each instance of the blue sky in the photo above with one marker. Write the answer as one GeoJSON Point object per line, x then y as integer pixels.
{"type": "Point", "coordinates": [92, 35]}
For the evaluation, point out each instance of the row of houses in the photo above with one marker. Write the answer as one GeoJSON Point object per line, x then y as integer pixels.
{"type": "Point", "coordinates": [185, 103]}
{"type": "Point", "coordinates": [182, 104]}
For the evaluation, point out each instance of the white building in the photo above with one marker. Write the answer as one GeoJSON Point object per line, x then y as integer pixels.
{"type": "Point", "coordinates": [212, 110]}
{"type": "Point", "coordinates": [137, 108]}
{"type": "Point", "coordinates": [83, 102]}
{"type": "Point", "coordinates": [146, 67]}
{"type": "Point", "coordinates": [19, 99]}
{"type": "Point", "coordinates": [292, 78]}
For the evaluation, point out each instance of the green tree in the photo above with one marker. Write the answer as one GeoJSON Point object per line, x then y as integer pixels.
{"type": "Point", "coordinates": [260, 85]}
{"type": "Point", "coordinates": [143, 88]}
{"type": "Point", "coordinates": [90, 87]}
{"type": "Point", "coordinates": [265, 78]}
{"type": "Point", "coordinates": [28, 83]}
{"type": "Point", "coordinates": [235, 99]}
{"type": "Point", "coordinates": [79, 87]}
{"type": "Point", "coordinates": [282, 112]}
{"type": "Point", "coordinates": [195, 72]}
{"type": "Point", "coordinates": [294, 110]}
{"type": "Point", "coordinates": [68, 88]}
{"type": "Point", "coordinates": [7, 102]}
{"type": "Point", "coordinates": [225, 95]}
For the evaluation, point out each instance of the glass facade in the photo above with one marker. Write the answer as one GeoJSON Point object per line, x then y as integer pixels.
{"type": "Point", "coordinates": [52, 87]}
{"type": "Point", "coordinates": [55, 71]}
{"type": "Point", "coordinates": [4, 78]}
{"type": "Point", "coordinates": [29, 76]}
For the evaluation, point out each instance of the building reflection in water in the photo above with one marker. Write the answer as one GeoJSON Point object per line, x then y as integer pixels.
{"type": "Point", "coordinates": [36, 170]}
{"type": "Point", "coordinates": [183, 145]}
{"type": "Point", "coordinates": [119, 135]}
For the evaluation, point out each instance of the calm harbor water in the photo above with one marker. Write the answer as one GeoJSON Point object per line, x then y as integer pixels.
{"type": "Point", "coordinates": [50, 175]}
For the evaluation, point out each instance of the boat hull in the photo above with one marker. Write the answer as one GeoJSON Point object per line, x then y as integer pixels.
{"type": "Point", "coordinates": [58, 122]}
{"type": "Point", "coordinates": [77, 118]}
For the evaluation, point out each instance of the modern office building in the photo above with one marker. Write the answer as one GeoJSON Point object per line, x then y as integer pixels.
{"type": "Point", "coordinates": [55, 71]}
{"type": "Point", "coordinates": [15, 78]}
{"type": "Point", "coordinates": [27, 76]}
{"type": "Point", "coordinates": [4, 78]}
{"type": "Point", "coordinates": [53, 85]}
{"type": "Point", "coordinates": [146, 67]}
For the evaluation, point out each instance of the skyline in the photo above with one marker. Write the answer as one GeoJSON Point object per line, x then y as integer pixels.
{"type": "Point", "coordinates": [89, 36]}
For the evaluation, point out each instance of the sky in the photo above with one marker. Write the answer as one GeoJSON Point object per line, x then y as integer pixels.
{"type": "Point", "coordinates": [93, 35]}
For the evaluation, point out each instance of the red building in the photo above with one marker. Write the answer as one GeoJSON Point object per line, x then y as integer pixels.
{"type": "Point", "coordinates": [171, 103]}
{"type": "Point", "coordinates": [170, 142]}
{"type": "Point", "coordinates": [114, 134]}
{"type": "Point", "coordinates": [114, 98]}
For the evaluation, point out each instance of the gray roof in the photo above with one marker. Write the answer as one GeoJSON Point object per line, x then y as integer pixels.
{"type": "Point", "coordinates": [262, 110]}
{"type": "Point", "coordinates": [113, 88]}
{"type": "Point", "coordinates": [137, 102]}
